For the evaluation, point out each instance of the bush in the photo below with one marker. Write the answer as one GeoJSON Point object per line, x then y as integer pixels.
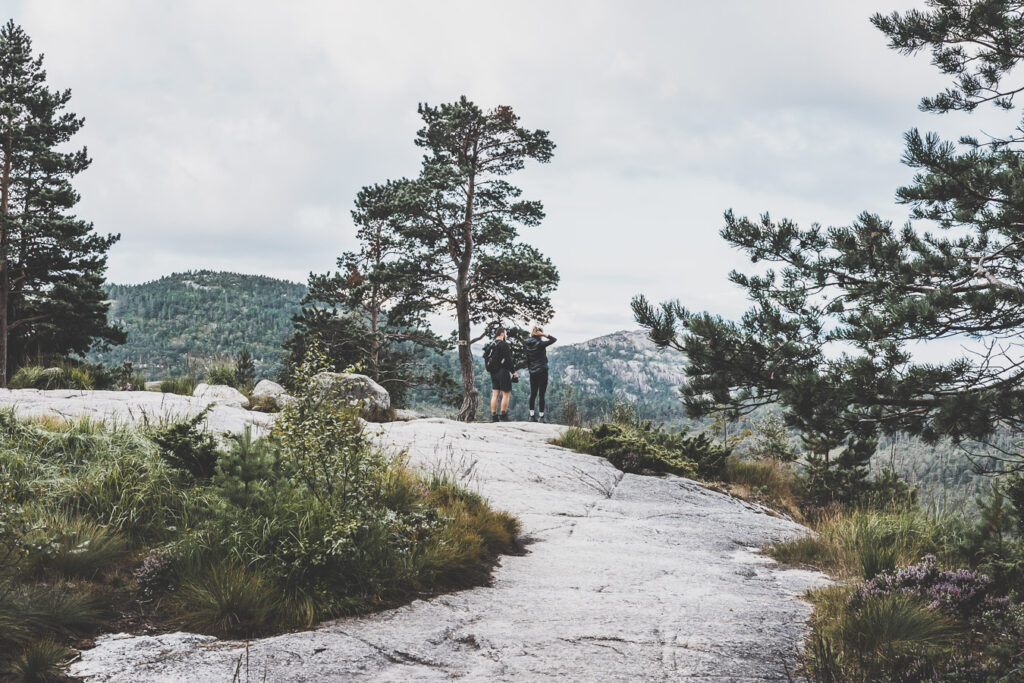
{"type": "Point", "coordinates": [184, 386]}
{"type": "Point", "coordinates": [65, 374]}
{"type": "Point", "coordinates": [916, 623]}
{"type": "Point", "coordinates": [228, 601]}
{"type": "Point", "coordinates": [864, 543]}
{"type": "Point", "coordinates": [224, 375]}
{"type": "Point", "coordinates": [73, 546]}
{"type": "Point", "coordinates": [272, 534]}
{"type": "Point", "coordinates": [40, 661]}
{"type": "Point", "coordinates": [186, 446]}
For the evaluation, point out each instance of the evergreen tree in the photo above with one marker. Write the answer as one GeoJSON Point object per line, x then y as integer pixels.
{"type": "Point", "coordinates": [51, 262]}
{"type": "Point", "coordinates": [837, 311]}
{"type": "Point", "coordinates": [371, 314]}
{"type": "Point", "coordinates": [458, 224]}
{"type": "Point", "coordinates": [245, 369]}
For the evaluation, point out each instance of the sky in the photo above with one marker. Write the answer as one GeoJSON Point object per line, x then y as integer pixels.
{"type": "Point", "coordinates": [235, 135]}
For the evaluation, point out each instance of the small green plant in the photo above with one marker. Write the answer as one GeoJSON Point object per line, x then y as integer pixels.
{"type": "Point", "coordinates": [184, 385]}
{"type": "Point", "coordinates": [247, 470]}
{"type": "Point", "coordinates": [575, 439]}
{"type": "Point", "coordinates": [74, 546]}
{"type": "Point", "coordinates": [222, 374]}
{"type": "Point", "coordinates": [245, 371]}
{"type": "Point", "coordinates": [187, 446]}
{"type": "Point", "coordinates": [228, 600]}
{"type": "Point", "coordinates": [40, 661]}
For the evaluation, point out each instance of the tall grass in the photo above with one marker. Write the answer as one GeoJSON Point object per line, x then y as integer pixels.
{"type": "Point", "coordinates": [863, 543]}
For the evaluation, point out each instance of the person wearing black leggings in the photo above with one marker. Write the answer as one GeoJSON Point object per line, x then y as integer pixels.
{"type": "Point", "coordinates": [537, 361]}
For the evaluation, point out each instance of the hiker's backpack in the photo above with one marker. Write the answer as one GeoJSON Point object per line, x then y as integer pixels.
{"type": "Point", "coordinates": [490, 361]}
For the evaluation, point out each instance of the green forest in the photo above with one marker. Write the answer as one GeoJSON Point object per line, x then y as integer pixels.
{"type": "Point", "coordinates": [181, 319]}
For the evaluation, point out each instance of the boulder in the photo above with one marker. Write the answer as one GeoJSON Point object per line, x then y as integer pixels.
{"type": "Point", "coordinates": [153, 386]}
{"type": "Point", "coordinates": [403, 415]}
{"type": "Point", "coordinates": [219, 393]}
{"type": "Point", "coordinates": [269, 396]}
{"type": "Point", "coordinates": [373, 400]}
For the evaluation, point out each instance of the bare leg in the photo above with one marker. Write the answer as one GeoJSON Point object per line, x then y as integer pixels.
{"type": "Point", "coordinates": [494, 401]}
{"type": "Point", "coordinates": [505, 396]}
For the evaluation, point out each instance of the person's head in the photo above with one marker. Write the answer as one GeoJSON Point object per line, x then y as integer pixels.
{"type": "Point", "coordinates": [499, 333]}
{"type": "Point", "coordinates": [537, 331]}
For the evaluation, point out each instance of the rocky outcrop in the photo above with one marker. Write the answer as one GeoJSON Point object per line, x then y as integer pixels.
{"type": "Point", "coordinates": [131, 407]}
{"type": "Point", "coordinates": [623, 578]}
{"type": "Point", "coordinates": [373, 400]}
{"type": "Point", "coordinates": [269, 396]}
{"type": "Point", "coordinates": [219, 393]}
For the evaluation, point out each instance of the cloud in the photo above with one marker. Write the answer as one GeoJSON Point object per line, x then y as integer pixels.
{"type": "Point", "coordinates": [231, 135]}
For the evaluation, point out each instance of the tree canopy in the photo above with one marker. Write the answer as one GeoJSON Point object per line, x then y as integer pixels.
{"type": "Point", "coordinates": [458, 224]}
{"type": "Point", "coordinates": [51, 262]}
{"type": "Point", "coordinates": [838, 311]}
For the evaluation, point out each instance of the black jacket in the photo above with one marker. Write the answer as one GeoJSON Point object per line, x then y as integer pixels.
{"type": "Point", "coordinates": [537, 353]}
{"type": "Point", "coordinates": [503, 356]}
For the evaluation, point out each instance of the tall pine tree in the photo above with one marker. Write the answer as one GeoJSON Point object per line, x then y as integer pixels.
{"type": "Point", "coordinates": [838, 311]}
{"type": "Point", "coordinates": [51, 262]}
{"type": "Point", "coordinates": [459, 224]}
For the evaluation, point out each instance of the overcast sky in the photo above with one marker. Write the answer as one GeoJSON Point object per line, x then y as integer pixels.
{"type": "Point", "coordinates": [235, 135]}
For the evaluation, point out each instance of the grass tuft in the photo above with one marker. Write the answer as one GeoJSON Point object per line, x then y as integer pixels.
{"type": "Point", "coordinates": [229, 601]}
{"type": "Point", "coordinates": [40, 661]}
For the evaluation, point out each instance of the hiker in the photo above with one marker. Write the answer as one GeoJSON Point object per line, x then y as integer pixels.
{"type": "Point", "coordinates": [537, 362]}
{"type": "Point", "coordinates": [498, 361]}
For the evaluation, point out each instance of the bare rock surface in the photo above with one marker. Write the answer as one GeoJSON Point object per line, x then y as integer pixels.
{"type": "Point", "coordinates": [132, 407]}
{"type": "Point", "coordinates": [625, 578]}
{"type": "Point", "coordinates": [219, 393]}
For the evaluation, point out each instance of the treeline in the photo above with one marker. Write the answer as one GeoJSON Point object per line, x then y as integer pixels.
{"type": "Point", "coordinates": [201, 314]}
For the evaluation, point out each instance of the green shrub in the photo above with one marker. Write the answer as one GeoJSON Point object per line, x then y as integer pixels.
{"type": "Point", "coordinates": [229, 601]}
{"type": "Point", "coordinates": [184, 385]}
{"type": "Point", "coordinates": [40, 661]}
{"type": "Point", "coordinates": [224, 375]}
{"type": "Point", "coordinates": [575, 439]}
{"type": "Point", "coordinates": [73, 546]}
{"type": "Point", "coordinates": [64, 374]}
{"type": "Point", "coordinates": [863, 543]}
{"type": "Point", "coordinates": [187, 446]}
{"type": "Point", "coordinates": [246, 472]}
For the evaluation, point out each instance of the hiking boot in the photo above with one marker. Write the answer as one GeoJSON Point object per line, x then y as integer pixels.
{"type": "Point", "coordinates": [541, 419]}
{"type": "Point", "coordinates": [533, 418]}
{"type": "Point", "coordinates": [504, 417]}
{"type": "Point", "coordinates": [494, 417]}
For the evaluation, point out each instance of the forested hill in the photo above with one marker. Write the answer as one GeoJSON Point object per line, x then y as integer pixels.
{"type": "Point", "coordinates": [201, 314]}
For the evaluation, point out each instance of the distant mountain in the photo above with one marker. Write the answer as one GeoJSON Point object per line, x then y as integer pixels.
{"type": "Point", "coordinates": [200, 315]}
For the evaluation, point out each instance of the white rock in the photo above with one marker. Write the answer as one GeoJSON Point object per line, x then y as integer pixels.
{"type": "Point", "coordinates": [153, 386]}
{"type": "Point", "coordinates": [626, 578]}
{"type": "Point", "coordinates": [374, 400]}
{"type": "Point", "coordinates": [219, 393]}
{"type": "Point", "coordinates": [131, 407]}
{"type": "Point", "coordinates": [403, 415]}
{"type": "Point", "coordinates": [269, 396]}
{"type": "Point", "coordinates": [266, 388]}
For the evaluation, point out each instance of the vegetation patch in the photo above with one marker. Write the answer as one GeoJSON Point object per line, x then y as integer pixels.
{"type": "Point", "coordinates": [161, 528]}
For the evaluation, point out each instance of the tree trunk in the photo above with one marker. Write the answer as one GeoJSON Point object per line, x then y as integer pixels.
{"type": "Point", "coordinates": [470, 396]}
{"type": "Point", "coordinates": [5, 273]}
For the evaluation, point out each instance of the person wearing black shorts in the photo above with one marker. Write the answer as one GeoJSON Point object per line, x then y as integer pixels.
{"type": "Point", "coordinates": [537, 361]}
{"type": "Point", "coordinates": [501, 376]}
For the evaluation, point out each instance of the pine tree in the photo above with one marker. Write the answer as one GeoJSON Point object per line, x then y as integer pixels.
{"type": "Point", "coordinates": [838, 310]}
{"type": "Point", "coordinates": [372, 312]}
{"type": "Point", "coordinates": [51, 262]}
{"type": "Point", "coordinates": [459, 223]}
{"type": "Point", "coordinates": [245, 369]}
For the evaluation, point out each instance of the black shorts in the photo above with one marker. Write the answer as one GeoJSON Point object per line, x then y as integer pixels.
{"type": "Point", "coordinates": [501, 380]}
